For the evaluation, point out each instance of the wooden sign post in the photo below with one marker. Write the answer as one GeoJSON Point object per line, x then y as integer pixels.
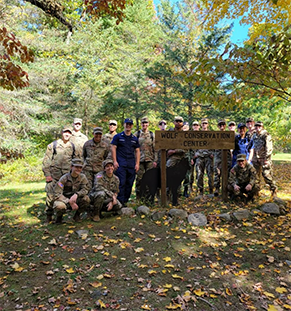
{"type": "Point", "coordinates": [186, 140]}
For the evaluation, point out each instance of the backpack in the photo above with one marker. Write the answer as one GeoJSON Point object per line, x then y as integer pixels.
{"type": "Point", "coordinates": [151, 133]}
{"type": "Point", "coordinates": [55, 149]}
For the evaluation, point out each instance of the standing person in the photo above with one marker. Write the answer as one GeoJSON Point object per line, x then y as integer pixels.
{"type": "Point", "coordinates": [176, 155]}
{"type": "Point", "coordinates": [162, 125]}
{"type": "Point", "coordinates": [250, 123]}
{"type": "Point", "coordinates": [95, 152]}
{"type": "Point", "coordinates": [242, 145]}
{"type": "Point", "coordinates": [204, 161]}
{"type": "Point", "coordinates": [112, 131]}
{"type": "Point", "coordinates": [56, 163]}
{"type": "Point", "coordinates": [195, 127]}
{"type": "Point", "coordinates": [104, 193]}
{"type": "Point", "coordinates": [148, 156]}
{"type": "Point", "coordinates": [231, 126]}
{"type": "Point", "coordinates": [125, 152]}
{"type": "Point", "coordinates": [78, 138]}
{"type": "Point", "coordinates": [262, 162]}
{"type": "Point", "coordinates": [242, 180]}
{"type": "Point", "coordinates": [70, 192]}
{"type": "Point", "coordinates": [218, 161]}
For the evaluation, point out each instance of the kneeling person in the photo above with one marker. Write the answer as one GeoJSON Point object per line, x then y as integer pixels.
{"type": "Point", "coordinates": [71, 192]}
{"type": "Point", "coordinates": [104, 193]}
{"type": "Point", "coordinates": [242, 179]}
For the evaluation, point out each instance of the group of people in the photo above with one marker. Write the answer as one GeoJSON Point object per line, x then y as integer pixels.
{"type": "Point", "coordinates": [98, 174]}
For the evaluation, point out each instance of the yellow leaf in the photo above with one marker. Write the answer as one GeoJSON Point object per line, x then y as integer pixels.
{"type": "Point", "coordinates": [168, 285]}
{"type": "Point", "coordinates": [71, 302]}
{"type": "Point", "coordinates": [145, 307]}
{"type": "Point", "coordinates": [173, 306]}
{"type": "Point", "coordinates": [169, 266]}
{"type": "Point", "coordinates": [272, 308]}
{"type": "Point", "coordinates": [142, 266]}
{"type": "Point", "coordinates": [167, 259]}
{"type": "Point", "coordinates": [199, 292]}
{"type": "Point", "coordinates": [96, 284]}
{"type": "Point", "coordinates": [176, 276]}
{"type": "Point", "coordinates": [70, 270]}
{"type": "Point", "coordinates": [100, 277]}
{"type": "Point", "coordinates": [139, 250]}
{"type": "Point", "coordinates": [269, 295]}
{"type": "Point", "coordinates": [261, 266]}
{"type": "Point", "coordinates": [152, 236]}
{"type": "Point", "coordinates": [281, 290]}
{"type": "Point", "coordinates": [71, 231]}
{"type": "Point", "coordinates": [152, 272]}
{"type": "Point", "coordinates": [287, 249]}
{"type": "Point", "coordinates": [288, 307]}
{"type": "Point", "coordinates": [102, 304]}
{"type": "Point", "coordinates": [213, 296]}
{"type": "Point", "coordinates": [228, 291]}
{"type": "Point", "coordinates": [176, 288]}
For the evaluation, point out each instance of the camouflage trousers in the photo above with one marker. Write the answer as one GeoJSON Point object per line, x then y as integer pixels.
{"type": "Point", "coordinates": [203, 164]}
{"type": "Point", "coordinates": [242, 191]}
{"type": "Point", "coordinates": [49, 189]}
{"type": "Point", "coordinates": [143, 167]}
{"type": "Point", "coordinates": [267, 171]}
{"type": "Point", "coordinates": [90, 174]}
{"type": "Point", "coordinates": [100, 199]}
{"type": "Point", "coordinates": [217, 171]}
{"type": "Point", "coordinates": [61, 207]}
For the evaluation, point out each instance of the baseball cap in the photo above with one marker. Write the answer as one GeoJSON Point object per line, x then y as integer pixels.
{"type": "Point", "coordinates": [162, 121]}
{"type": "Point", "coordinates": [241, 125]}
{"type": "Point", "coordinates": [77, 162]}
{"type": "Point", "coordinates": [78, 120]}
{"type": "Point", "coordinates": [67, 129]}
{"type": "Point", "coordinates": [204, 120]}
{"type": "Point", "coordinates": [231, 123]}
{"type": "Point", "coordinates": [195, 123]}
{"type": "Point", "coordinates": [241, 157]}
{"type": "Point", "coordinates": [179, 118]}
{"type": "Point", "coordinates": [145, 120]}
{"type": "Point", "coordinates": [221, 121]}
{"type": "Point", "coordinates": [113, 122]}
{"type": "Point", "coordinates": [107, 161]}
{"type": "Point", "coordinates": [259, 123]}
{"type": "Point", "coordinates": [128, 120]}
{"type": "Point", "coordinates": [250, 119]}
{"type": "Point", "coordinates": [98, 130]}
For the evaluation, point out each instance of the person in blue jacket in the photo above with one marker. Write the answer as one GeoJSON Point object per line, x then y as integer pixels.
{"type": "Point", "coordinates": [125, 152]}
{"type": "Point", "coordinates": [243, 145]}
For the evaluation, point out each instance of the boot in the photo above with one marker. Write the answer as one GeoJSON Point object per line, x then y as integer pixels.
{"type": "Point", "coordinates": [77, 217]}
{"type": "Point", "coordinates": [49, 218]}
{"type": "Point", "coordinates": [274, 192]}
{"type": "Point", "coordinates": [96, 218]}
{"type": "Point", "coordinates": [59, 220]}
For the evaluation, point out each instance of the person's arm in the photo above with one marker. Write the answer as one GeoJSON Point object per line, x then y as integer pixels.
{"type": "Point", "coordinates": [137, 159]}
{"type": "Point", "coordinates": [46, 163]}
{"type": "Point", "coordinates": [113, 154]}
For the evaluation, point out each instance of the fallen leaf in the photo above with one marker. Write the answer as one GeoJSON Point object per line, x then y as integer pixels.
{"type": "Point", "coordinates": [281, 290]}
{"type": "Point", "coordinates": [70, 270]}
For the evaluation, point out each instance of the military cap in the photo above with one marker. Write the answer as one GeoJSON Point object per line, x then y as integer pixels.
{"type": "Point", "coordinates": [67, 129]}
{"type": "Point", "coordinates": [107, 161]}
{"type": "Point", "coordinates": [77, 162]}
{"type": "Point", "coordinates": [241, 125]}
{"type": "Point", "coordinates": [204, 120]}
{"type": "Point", "coordinates": [259, 123]}
{"type": "Point", "coordinates": [128, 120]}
{"type": "Point", "coordinates": [250, 119]}
{"type": "Point", "coordinates": [98, 130]}
{"type": "Point", "coordinates": [162, 121]}
{"type": "Point", "coordinates": [113, 122]}
{"type": "Point", "coordinates": [145, 120]}
{"type": "Point", "coordinates": [195, 123]}
{"type": "Point", "coordinates": [241, 157]}
{"type": "Point", "coordinates": [221, 121]}
{"type": "Point", "coordinates": [231, 123]}
{"type": "Point", "coordinates": [179, 118]}
{"type": "Point", "coordinates": [78, 120]}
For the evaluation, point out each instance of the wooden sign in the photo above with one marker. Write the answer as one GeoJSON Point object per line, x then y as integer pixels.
{"type": "Point", "coordinates": [194, 140]}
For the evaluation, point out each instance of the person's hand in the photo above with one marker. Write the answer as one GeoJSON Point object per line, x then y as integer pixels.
{"type": "Point", "coordinates": [192, 162]}
{"type": "Point", "coordinates": [72, 202]}
{"type": "Point", "coordinates": [116, 165]}
{"type": "Point", "coordinates": [136, 167]}
{"type": "Point", "coordinates": [48, 179]}
{"type": "Point", "coordinates": [211, 156]}
{"type": "Point", "coordinates": [109, 206]}
{"type": "Point", "coordinates": [249, 187]}
{"type": "Point", "coordinates": [170, 152]}
{"type": "Point", "coordinates": [154, 164]}
{"type": "Point", "coordinates": [236, 188]}
{"type": "Point", "coordinates": [114, 201]}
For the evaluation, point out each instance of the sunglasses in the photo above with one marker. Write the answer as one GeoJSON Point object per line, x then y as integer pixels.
{"type": "Point", "coordinates": [204, 122]}
{"type": "Point", "coordinates": [179, 121]}
{"type": "Point", "coordinates": [112, 124]}
{"type": "Point", "coordinates": [221, 124]}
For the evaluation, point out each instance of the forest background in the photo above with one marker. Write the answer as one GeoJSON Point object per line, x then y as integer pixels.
{"type": "Point", "coordinates": [130, 59]}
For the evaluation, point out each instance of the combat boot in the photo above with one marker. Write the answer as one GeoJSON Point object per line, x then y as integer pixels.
{"type": "Point", "coordinates": [77, 217]}
{"type": "Point", "coordinates": [216, 192]}
{"type": "Point", "coordinates": [59, 220]}
{"type": "Point", "coordinates": [96, 218]}
{"type": "Point", "coordinates": [274, 192]}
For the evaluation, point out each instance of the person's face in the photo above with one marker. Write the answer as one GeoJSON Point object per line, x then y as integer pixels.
{"type": "Point", "coordinates": [196, 127]}
{"type": "Point", "coordinates": [77, 126]}
{"type": "Point", "coordinates": [241, 163]}
{"type": "Point", "coordinates": [242, 131]}
{"type": "Point", "coordinates": [185, 127]}
{"type": "Point", "coordinates": [128, 126]}
{"type": "Point", "coordinates": [144, 126]}
{"type": "Point", "coordinates": [163, 126]}
{"type": "Point", "coordinates": [222, 126]}
{"type": "Point", "coordinates": [97, 137]}
{"type": "Point", "coordinates": [76, 170]}
{"type": "Point", "coordinates": [178, 124]}
{"type": "Point", "coordinates": [66, 135]}
{"type": "Point", "coordinates": [112, 127]}
{"type": "Point", "coordinates": [258, 128]}
{"type": "Point", "coordinates": [231, 127]}
{"type": "Point", "coordinates": [250, 124]}
{"type": "Point", "coordinates": [204, 126]}
{"type": "Point", "coordinates": [109, 169]}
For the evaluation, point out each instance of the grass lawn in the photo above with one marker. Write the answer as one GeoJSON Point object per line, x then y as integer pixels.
{"type": "Point", "coordinates": [134, 263]}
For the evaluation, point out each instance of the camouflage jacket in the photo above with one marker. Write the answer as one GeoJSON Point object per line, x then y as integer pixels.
{"type": "Point", "coordinates": [94, 154]}
{"type": "Point", "coordinates": [78, 139]}
{"type": "Point", "coordinates": [107, 138]}
{"type": "Point", "coordinates": [68, 186]}
{"type": "Point", "coordinates": [203, 153]}
{"type": "Point", "coordinates": [218, 155]}
{"type": "Point", "coordinates": [263, 146]}
{"type": "Point", "coordinates": [179, 153]}
{"type": "Point", "coordinates": [58, 159]}
{"type": "Point", "coordinates": [147, 146]}
{"type": "Point", "coordinates": [110, 185]}
{"type": "Point", "coordinates": [242, 176]}
{"type": "Point", "coordinates": [250, 133]}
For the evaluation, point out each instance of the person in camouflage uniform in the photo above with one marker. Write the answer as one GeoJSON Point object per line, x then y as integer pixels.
{"type": "Point", "coordinates": [112, 131]}
{"type": "Point", "coordinates": [78, 138]}
{"type": "Point", "coordinates": [56, 163]}
{"type": "Point", "coordinates": [70, 192]}
{"type": "Point", "coordinates": [95, 151]}
{"type": "Point", "coordinates": [250, 123]}
{"type": "Point", "coordinates": [175, 155]}
{"type": "Point", "coordinates": [204, 160]}
{"type": "Point", "coordinates": [242, 180]}
{"type": "Point", "coordinates": [195, 127]}
{"type": "Point", "coordinates": [148, 156]}
{"type": "Point", "coordinates": [262, 162]}
{"type": "Point", "coordinates": [104, 194]}
{"type": "Point", "coordinates": [218, 161]}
